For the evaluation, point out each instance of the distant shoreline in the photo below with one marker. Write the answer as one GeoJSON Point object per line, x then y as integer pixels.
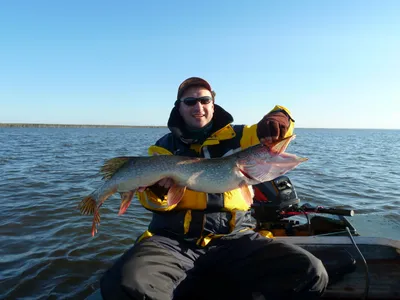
{"type": "Point", "coordinates": [74, 125]}
{"type": "Point", "coordinates": [43, 125]}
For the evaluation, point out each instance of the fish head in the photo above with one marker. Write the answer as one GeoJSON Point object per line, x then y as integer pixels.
{"type": "Point", "coordinates": [262, 163]}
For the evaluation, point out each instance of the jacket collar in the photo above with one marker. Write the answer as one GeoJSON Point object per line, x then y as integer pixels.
{"type": "Point", "coordinates": [176, 125]}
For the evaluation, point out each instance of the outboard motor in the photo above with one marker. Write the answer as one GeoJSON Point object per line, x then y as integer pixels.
{"type": "Point", "coordinates": [271, 197]}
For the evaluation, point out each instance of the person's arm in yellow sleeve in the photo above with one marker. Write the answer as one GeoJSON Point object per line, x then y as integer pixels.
{"type": "Point", "coordinates": [275, 125]}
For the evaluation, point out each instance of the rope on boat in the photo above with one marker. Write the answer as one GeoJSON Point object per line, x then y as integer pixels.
{"type": "Point", "coordinates": [365, 264]}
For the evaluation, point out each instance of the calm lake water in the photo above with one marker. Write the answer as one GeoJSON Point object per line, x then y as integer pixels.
{"type": "Point", "coordinates": [47, 251]}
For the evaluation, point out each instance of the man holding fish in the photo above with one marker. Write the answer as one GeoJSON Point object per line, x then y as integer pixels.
{"type": "Point", "coordinates": [200, 243]}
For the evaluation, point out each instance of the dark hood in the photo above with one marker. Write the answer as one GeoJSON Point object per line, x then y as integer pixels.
{"type": "Point", "coordinates": [177, 126]}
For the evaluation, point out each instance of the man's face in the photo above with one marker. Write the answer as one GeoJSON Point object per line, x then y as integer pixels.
{"type": "Point", "coordinates": [199, 115]}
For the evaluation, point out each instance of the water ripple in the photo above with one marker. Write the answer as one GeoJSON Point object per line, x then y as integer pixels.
{"type": "Point", "coordinates": [47, 249]}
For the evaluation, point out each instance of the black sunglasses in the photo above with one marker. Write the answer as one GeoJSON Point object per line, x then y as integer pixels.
{"type": "Point", "coordinates": [191, 101]}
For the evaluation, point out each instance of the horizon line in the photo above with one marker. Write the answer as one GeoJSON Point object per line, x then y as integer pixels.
{"type": "Point", "coordinates": [149, 126]}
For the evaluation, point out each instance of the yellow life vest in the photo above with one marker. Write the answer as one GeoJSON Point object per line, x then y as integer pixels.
{"type": "Point", "coordinates": [201, 216]}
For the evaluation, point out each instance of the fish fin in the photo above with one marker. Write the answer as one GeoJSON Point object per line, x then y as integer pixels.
{"type": "Point", "coordinates": [126, 199]}
{"type": "Point", "coordinates": [281, 146]}
{"type": "Point", "coordinates": [88, 205]}
{"type": "Point", "coordinates": [105, 196]}
{"type": "Point", "coordinates": [141, 189]}
{"type": "Point", "coordinates": [246, 193]}
{"type": "Point", "coordinates": [96, 222]}
{"type": "Point", "coordinates": [175, 194]}
{"type": "Point", "coordinates": [96, 213]}
{"type": "Point", "coordinates": [112, 165]}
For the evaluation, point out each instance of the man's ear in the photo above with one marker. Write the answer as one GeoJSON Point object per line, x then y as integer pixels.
{"type": "Point", "coordinates": [213, 94]}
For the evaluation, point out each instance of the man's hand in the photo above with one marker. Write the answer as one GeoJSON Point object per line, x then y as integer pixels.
{"type": "Point", "coordinates": [273, 127]}
{"type": "Point", "coordinates": [166, 182]}
{"type": "Point", "coordinates": [161, 187]}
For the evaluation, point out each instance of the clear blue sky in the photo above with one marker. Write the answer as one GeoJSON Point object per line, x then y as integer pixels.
{"type": "Point", "coordinates": [334, 64]}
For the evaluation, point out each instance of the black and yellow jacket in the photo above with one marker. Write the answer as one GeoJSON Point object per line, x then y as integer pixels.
{"type": "Point", "coordinates": [199, 216]}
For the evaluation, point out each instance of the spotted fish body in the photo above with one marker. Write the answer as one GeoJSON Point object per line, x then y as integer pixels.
{"type": "Point", "coordinates": [127, 175]}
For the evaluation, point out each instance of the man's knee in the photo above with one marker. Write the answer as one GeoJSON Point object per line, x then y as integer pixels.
{"type": "Point", "coordinates": [317, 277]}
{"type": "Point", "coordinates": [112, 282]}
{"type": "Point", "coordinates": [146, 271]}
{"type": "Point", "coordinates": [321, 275]}
{"type": "Point", "coordinates": [306, 275]}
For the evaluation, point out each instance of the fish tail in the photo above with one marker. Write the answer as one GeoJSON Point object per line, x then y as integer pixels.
{"type": "Point", "coordinates": [88, 205]}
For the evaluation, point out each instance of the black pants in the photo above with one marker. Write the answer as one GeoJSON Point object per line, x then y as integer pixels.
{"type": "Point", "coordinates": [244, 266]}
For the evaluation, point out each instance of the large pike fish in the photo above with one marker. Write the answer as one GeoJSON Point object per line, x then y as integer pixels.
{"type": "Point", "coordinates": [130, 174]}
